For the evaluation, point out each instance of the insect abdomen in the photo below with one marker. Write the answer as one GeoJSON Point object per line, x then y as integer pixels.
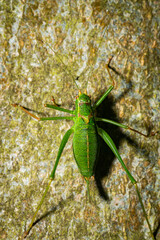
{"type": "Point", "coordinates": [85, 146]}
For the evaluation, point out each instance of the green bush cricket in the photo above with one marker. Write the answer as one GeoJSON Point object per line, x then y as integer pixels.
{"type": "Point", "coordinates": [85, 142]}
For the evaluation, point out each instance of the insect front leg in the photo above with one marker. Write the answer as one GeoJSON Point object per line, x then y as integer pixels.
{"type": "Point", "coordinates": [51, 178]}
{"type": "Point", "coordinates": [26, 110]}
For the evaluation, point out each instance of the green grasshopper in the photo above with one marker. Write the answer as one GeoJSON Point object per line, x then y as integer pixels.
{"type": "Point", "coordinates": [85, 141]}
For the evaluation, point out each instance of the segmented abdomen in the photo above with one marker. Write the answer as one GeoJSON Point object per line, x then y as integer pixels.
{"type": "Point", "coordinates": [85, 147]}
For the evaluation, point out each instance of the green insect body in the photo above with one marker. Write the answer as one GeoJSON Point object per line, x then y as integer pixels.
{"type": "Point", "coordinates": [85, 142]}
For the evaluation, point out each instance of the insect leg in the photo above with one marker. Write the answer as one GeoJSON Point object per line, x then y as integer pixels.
{"type": "Point", "coordinates": [112, 146]}
{"type": "Point", "coordinates": [46, 118]}
{"type": "Point", "coordinates": [52, 175]}
{"type": "Point", "coordinates": [59, 108]}
{"type": "Point", "coordinates": [102, 98]}
{"type": "Point", "coordinates": [124, 126]}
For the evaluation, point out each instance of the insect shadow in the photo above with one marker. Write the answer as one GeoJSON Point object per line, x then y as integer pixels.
{"type": "Point", "coordinates": [53, 209]}
{"type": "Point", "coordinates": [106, 157]}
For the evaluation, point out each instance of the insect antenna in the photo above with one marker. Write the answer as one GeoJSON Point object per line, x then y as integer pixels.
{"type": "Point", "coordinates": [65, 68]}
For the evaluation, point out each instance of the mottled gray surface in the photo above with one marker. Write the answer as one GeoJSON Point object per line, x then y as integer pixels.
{"type": "Point", "coordinates": [82, 35]}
